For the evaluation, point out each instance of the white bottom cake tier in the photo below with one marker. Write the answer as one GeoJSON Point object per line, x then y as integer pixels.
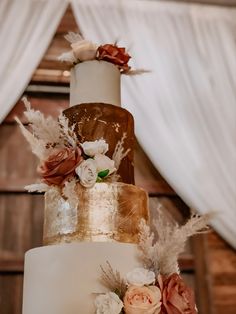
{"type": "Point", "coordinates": [65, 278]}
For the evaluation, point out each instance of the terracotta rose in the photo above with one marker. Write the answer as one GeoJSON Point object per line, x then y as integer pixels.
{"type": "Point", "coordinates": [115, 55]}
{"type": "Point", "coordinates": [60, 165]}
{"type": "Point", "coordinates": [177, 298]}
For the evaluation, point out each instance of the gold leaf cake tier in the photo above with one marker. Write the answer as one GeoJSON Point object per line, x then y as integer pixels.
{"type": "Point", "coordinates": [106, 212]}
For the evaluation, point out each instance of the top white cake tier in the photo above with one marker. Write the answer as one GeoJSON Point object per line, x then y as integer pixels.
{"type": "Point", "coordinates": [95, 81]}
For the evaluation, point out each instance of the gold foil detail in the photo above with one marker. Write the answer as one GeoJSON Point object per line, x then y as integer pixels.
{"type": "Point", "coordinates": [106, 212]}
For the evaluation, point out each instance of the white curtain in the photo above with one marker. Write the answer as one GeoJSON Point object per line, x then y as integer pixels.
{"type": "Point", "coordinates": [185, 109]}
{"type": "Point", "coordinates": [26, 29]}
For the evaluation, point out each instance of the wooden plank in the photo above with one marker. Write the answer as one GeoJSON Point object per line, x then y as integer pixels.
{"type": "Point", "coordinates": [11, 287]}
{"type": "Point", "coordinates": [48, 104]}
{"type": "Point", "coordinates": [15, 185]}
{"type": "Point", "coordinates": [16, 159]}
{"type": "Point", "coordinates": [61, 75]}
{"type": "Point", "coordinates": [202, 279]}
{"type": "Point", "coordinates": [222, 259]}
{"type": "Point", "coordinates": [68, 22]}
{"type": "Point", "coordinates": [146, 175]}
{"type": "Point", "coordinates": [14, 265]}
{"type": "Point", "coordinates": [19, 223]}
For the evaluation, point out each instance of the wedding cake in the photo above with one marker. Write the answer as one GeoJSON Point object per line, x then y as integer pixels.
{"type": "Point", "coordinates": [99, 254]}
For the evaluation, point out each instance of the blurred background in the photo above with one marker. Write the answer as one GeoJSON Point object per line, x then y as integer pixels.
{"type": "Point", "coordinates": [184, 109]}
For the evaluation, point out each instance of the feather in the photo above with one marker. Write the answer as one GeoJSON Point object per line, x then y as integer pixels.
{"type": "Point", "coordinates": [37, 187]}
{"type": "Point", "coordinates": [73, 37]}
{"type": "Point", "coordinates": [67, 57]}
{"type": "Point", "coordinates": [37, 145]}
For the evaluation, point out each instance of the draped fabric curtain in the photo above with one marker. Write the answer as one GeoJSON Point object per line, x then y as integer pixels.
{"type": "Point", "coordinates": [26, 30]}
{"type": "Point", "coordinates": [185, 109]}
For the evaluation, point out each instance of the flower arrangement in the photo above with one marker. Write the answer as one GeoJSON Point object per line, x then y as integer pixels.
{"type": "Point", "coordinates": [157, 287]}
{"type": "Point", "coordinates": [63, 158]}
{"type": "Point", "coordinates": [84, 50]}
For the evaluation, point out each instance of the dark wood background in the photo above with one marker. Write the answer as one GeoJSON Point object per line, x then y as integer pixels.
{"type": "Point", "coordinates": [208, 264]}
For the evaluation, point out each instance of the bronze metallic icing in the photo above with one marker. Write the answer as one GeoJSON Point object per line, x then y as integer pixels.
{"type": "Point", "coordinates": [106, 212]}
{"type": "Point", "coordinates": [97, 120]}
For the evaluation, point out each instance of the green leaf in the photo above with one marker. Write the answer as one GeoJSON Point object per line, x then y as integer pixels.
{"type": "Point", "coordinates": [99, 179]}
{"type": "Point", "coordinates": [103, 173]}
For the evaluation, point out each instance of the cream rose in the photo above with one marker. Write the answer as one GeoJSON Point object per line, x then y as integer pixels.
{"type": "Point", "coordinates": [87, 172]}
{"type": "Point", "coordinates": [93, 148]}
{"type": "Point", "coordinates": [142, 300]}
{"type": "Point", "coordinates": [104, 163]}
{"type": "Point", "coordinates": [140, 277]}
{"type": "Point", "coordinates": [84, 50]}
{"type": "Point", "coordinates": [108, 303]}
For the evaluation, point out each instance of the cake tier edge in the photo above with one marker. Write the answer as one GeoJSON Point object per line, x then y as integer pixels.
{"type": "Point", "coordinates": [62, 279]}
{"type": "Point", "coordinates": [95, 81]}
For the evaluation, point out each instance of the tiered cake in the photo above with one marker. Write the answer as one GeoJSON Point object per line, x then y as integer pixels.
{"type": "Point", "coordinates": [64, 278]}
{"type": "Point", "coordinates": [95, 218]}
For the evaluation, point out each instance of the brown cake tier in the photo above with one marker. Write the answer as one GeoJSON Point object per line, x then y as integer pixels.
{"type": "Point", "coordinates": [106, 212]}
{"type": "Point", "coordinates": [94, 121]}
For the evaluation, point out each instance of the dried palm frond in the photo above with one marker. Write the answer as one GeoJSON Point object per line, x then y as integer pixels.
{"type": "Point", "coordinates": [44, 128]}
{"type": "Point", "coordinates": [119, 153]}
{"type": "Point", "coordinates": [38, 146]}
{"type": "Point", "coordinates": [37, 187]}
{"type": "Point", "coordinates": [67, 132]}
{"type": "Point", "coordinates": [146, 239]}
{"type": "Point", "coordinates": [136, 72]}
{"type": "Point", "coordinates": [162, 256]}
{"type": "Point", "coordinates": [73, 37]}
{"type": "Point", "coordinates": [112, 280]}
{"type": "Point", "coordinates": [67, 57]}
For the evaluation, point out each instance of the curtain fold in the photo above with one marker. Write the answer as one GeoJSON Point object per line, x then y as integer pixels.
{"type": "Point", "coordinates": [185, 109]}
{"type": "Point", "coordinates": [26, 29]}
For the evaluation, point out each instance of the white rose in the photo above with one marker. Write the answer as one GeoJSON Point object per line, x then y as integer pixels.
{"type": "Point", "coordinates": [93, 148]}
{"type": "Point", "coordinates": [87, 172]}
{"type": "Point", "coordinates": [84, 50]}
{"type": "Point", "coordinates": [103, 163]}
{"type": "Point", "coordinates": [108, 303]}
{"type": "Point", "coordinates": [140, 277]}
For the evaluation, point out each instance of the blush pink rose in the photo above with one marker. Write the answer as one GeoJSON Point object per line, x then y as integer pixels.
{"type": "Point", "coordinates": [60, 165]}
{"type": "Point", "coordinates": [177, 298]}
{"type": "Point", "coordinates": [142, 300]}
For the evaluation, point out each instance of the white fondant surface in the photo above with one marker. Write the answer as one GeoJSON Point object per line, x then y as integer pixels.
{"type": "Point", "coordinates": [95, 81]}
{"type": "Point", "coordinates": [63, 279]}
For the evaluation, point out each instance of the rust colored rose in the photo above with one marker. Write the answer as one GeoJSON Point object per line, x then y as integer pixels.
{"type": "Point", "coordinates": [60, 165]}
{"type": "Point", "coordinates": [177, 298]}
{"type": "Point", "coordinates": [115, 55]}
